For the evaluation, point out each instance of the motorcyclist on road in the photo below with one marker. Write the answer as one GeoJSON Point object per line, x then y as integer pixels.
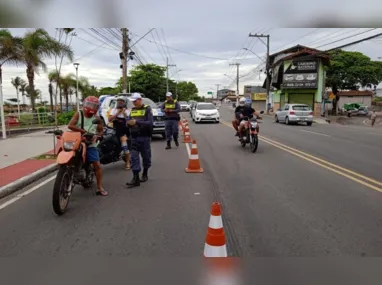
{"type": "Point", "coordinates": [241, 112]}
{"type": "Point", "coordinates": [118, 116]}
{"type": "Point", "coordinates": [82, 122]}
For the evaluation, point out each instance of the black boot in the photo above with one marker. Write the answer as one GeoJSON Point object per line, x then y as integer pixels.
{"type": "Point", "coordinates": [144, 177]}
{"type": "Point", "coordinates": [176, 141]}
{"type": "Point", "coordinates": [168, 145]}
{"type": "Point", "coordinates": [135, 181]}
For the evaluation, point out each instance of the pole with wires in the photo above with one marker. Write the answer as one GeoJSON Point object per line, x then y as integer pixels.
{"type": "Point", "coordinates": [125, 48]}
{"type": "Point", "coordinates": [237, 82]}
{"type": "Point", "coordinates": [167, 66]}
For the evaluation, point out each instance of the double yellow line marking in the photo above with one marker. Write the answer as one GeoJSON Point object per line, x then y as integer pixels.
{"type": "Point", "coordinates": [354, 176]}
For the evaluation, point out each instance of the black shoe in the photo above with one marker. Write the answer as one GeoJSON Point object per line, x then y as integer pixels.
{"type": "Point", "coordinates": [144, 177]}
{"type": "Point", "coordinates": [176, 141]}
{"type": "Point", "coordinates": [237, 134]}
{"type": "Point", "coordinates": [168, 145]}
{"type": "Point", "coordinates": [135, 181]}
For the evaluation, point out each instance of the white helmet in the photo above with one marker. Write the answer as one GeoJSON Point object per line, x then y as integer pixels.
{"type": "Point", "coordinates": [168, 94]}
{"type": "Point", "coordinates": [242, 101]}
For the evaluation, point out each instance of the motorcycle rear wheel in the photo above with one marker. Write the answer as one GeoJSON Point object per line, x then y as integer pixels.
{"type": "Point", "coordinates": [62, 190]}
{"type": "Point", "coordinates": [254, 143]}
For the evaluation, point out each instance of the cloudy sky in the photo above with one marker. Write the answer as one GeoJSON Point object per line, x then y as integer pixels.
{"type": "Point", "coordinates": [202, 56]}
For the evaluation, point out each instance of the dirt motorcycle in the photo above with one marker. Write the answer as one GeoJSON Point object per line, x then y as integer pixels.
{"type": "Point", "coordinates": [249, 133]}
{"type": "Point", "coordinates": [110, 148]}
{"type": "Point", "coordinates": [73, 168]}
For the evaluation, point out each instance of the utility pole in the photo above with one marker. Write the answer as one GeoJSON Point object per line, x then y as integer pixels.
{"type": "Point", "coordinates": [237, 82]}
{"type": "Point", "coordinates": [125, 49]}
{"type": "Point", "coordinates": [268, 82]}
{"type": "Point", "coordinates": [217, 90]}
{"type": "Point", "coordinates": [167, 66]}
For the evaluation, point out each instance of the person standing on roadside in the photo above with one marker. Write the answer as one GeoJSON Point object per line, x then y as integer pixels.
{"type": "Point", "coordinates": [171, 108]}
{"type": "Point", "coordinates": [118, 116]}
{"type": "Point", "coordinates": [140, 123]}
{"type": "Point", "coordinates": [373, 118]}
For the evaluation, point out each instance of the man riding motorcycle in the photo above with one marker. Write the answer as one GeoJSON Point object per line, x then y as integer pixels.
{"type": "Point", "coordinates": [241, 112]}
{"type": "Point", "coordinates": [88, 114]}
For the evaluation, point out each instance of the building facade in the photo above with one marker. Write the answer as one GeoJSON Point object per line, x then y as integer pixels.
{"type": "Point", "coordinates": [258, 95]}
{"type": "Point", "coordinates": [225, 92]}
{"type": "Point", "coordinates": [298, 77]}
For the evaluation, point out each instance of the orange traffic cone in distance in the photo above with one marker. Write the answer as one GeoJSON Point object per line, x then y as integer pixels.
{"type": "Point", "coordinates": [215, 245]}
{"type": "Point", "coordinates": [187, 137]}
{"type": "Point", "coordinates": [193, 161]}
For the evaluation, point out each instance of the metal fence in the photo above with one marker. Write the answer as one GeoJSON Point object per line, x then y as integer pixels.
{"type": "Point", "coordinates": [27, 121]}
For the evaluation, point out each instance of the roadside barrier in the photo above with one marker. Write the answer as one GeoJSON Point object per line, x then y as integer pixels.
{"type": "Point", "coordinates": [193, 161]}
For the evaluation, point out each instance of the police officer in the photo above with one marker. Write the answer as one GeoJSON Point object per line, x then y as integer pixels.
{"type": "Point", "coordinates": [171, 108]}
{"type": "Point", "coordinates": [140, 123]}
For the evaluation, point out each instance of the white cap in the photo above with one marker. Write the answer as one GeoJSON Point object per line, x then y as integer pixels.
{"type": "Point", "coordinates": [135, 96]}
{"type": "Point", "coordinates": [242, 100]}
{"type": "Point", "coordinates": [168, 94]}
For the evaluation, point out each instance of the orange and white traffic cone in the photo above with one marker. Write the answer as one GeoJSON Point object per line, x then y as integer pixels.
{"type": "Point", "coordinates": [193, 161]}
{"type": "Point", "coordinates": [215, 245]}
{"type": "Point", "coordinates": [187, 137]}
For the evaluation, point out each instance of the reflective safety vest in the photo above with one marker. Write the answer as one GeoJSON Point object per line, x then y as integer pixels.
{"type": "Point", "coordinates": [139, 114]}
{"type": "Point", "coordinates": [168, 105]}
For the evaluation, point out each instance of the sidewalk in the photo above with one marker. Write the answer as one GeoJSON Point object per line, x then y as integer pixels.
{"type": "Point", "coordinates": [21, 162]}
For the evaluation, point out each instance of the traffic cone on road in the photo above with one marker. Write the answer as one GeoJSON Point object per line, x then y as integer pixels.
{"type": "Point", "coordinates": [193, 161]}
{"type": "Point", "coordinates": [187, 137]}
{"type": "Point", "coordinates": [215, 245]}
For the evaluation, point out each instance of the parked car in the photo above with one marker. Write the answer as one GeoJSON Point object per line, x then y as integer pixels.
{"type": "Point", "coordinates": [295, 113]}
{"type": "Point", "coordinates": [205, 112]}
{"type": "Point", "coordinates": [184, 106]}
{"type": "Point", "coordinates": [12, 120]}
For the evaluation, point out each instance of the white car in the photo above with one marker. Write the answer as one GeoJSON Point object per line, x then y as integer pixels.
{"type": "Point", "coordinates": [184, 106]}
{"type": "Point", "coordinates": [294, 113]}
{"type": "Point", "coordinates": [205, 112]}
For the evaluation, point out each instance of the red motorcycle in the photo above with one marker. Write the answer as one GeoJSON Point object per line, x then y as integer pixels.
{"type": "Point", "coordinates": [249, 133]}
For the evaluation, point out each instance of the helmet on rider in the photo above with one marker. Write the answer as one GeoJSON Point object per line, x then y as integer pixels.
{"type": "Point", "coordinates": [90, 105]}
{"type": "Point", "coordinates": [242, 101]}
{"type": "Point", "coordinates": [121, 102]}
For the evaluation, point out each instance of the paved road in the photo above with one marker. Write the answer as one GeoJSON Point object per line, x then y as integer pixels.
{"type": "Point", "coordinates": [275, 202]}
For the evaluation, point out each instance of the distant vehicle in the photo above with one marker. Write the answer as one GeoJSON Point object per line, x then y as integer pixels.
{"type": "Point", "coordinates": [192, 107]}
{"type": "Point", "coordinates": [184, 106]}
{"type": "Point", "coordinates": [12, 120]}
{"type": "Point", "coordinates": [363, 111]}
{"type": "Point", "coordinates": [205, 112]}
{"type": "Point", "coordinates": [295, 113]}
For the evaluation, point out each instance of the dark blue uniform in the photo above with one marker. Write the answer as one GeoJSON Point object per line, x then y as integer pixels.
{"type": "Point", "coordinates": [140, 135]}
{"type": "Point", "coordinates": [172, 119]}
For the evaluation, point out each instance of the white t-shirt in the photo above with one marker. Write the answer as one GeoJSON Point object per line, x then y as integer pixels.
{"type": "Point", "coordinates": [115, 111]}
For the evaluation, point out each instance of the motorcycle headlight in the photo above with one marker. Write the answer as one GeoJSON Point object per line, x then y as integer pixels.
{"type": "Point", "coordinates": [68, 146]}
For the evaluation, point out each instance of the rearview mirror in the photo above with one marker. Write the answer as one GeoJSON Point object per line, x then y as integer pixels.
{"type": "Point", "coordinates": [261, 112]}
{"type": "Point", "coordinates": [96, 121]}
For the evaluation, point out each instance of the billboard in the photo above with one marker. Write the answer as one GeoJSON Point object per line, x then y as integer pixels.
{"type": "Point", "coordinates": [259, 96]}
{"type": "Point", "coordinates": [300, 74]}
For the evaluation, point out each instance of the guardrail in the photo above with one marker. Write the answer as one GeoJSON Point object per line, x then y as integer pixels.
{"type": "Point", "coordinates": [28, 122]}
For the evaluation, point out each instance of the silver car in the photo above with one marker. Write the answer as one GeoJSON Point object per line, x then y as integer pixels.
{"type": "Point", "coordinates": [295, 113]}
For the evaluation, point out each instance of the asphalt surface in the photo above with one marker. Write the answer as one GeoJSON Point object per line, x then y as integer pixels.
{"type": "Point", "coordinates": [275, 203]}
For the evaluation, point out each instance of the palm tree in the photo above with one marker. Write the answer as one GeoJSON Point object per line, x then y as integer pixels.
{"type": "Point", "coordinates": [23, 90]}
{"type": "Point", "coordinates": [53, 78]}
{"type": "Point", "coordinates": [10, 48]}
{"type": "Point", "coordinates": [16, 82]}
{"type": "Point", "coordinates": [68, 82]}
{"type": "Point", "coordinates": [37, 46]}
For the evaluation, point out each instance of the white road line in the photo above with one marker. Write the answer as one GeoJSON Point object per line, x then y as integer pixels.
{"type": "Point", "coordinates": [315, 133]}
{"type": "Point", "coordinates": [188, 149]}
{"type": "Point", "coordinates": [19, 196]}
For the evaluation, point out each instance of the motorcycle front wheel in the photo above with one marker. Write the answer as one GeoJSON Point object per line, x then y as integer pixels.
{"type": "Point", "coordinates": [254, 143]}
{"type": "Point", "coordinates": [62, 189]}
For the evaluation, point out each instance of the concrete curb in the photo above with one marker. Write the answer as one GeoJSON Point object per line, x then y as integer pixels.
{"type": "Point", "coordinates": [26, 180]}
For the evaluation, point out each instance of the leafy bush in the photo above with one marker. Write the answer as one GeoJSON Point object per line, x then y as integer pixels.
{"type": "Point", "coordinates": [64, 118]}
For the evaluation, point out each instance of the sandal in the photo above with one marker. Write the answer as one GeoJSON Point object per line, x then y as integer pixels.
{"type": "Point", "coordinates": [102, 193]}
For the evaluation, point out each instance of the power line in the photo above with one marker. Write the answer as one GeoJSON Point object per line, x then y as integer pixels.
{"type": "Point", "coordinates": [347, 37]}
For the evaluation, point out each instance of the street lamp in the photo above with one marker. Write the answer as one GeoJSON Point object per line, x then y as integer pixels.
{"type": "Point", "coordinates": [78, 102]}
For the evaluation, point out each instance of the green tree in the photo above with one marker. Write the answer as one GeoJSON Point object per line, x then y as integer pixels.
{"type": "Point", "coordinates": [352, 70]}
{"type": "Point", "coordinates": [16, 82]}
{"type": "Point", "coordinates": [10, 50]}
{"type": "Point", "coordinates": [108, 91]}
{"type": "Point", "coordinates": [37, 46]}
{"type": "Point", "coordinates": [186, 91]}
{"type": "Point", "coordinates": [148, 79]}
